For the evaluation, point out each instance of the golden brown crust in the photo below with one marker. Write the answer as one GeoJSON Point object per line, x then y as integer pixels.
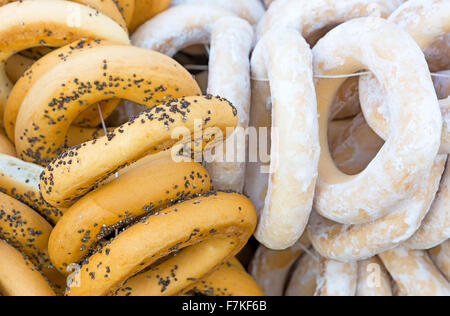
{"type": "Point", "coordinates": [145, 10]}
{"type": "Point", "coordinates": [207, 230]}
{"type": "Point", "coordinates": [150, 132]}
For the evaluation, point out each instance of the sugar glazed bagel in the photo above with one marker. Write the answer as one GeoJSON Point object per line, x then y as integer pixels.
{"type": "Point", "coordinates": [250, 10]}
{"type": "Point", "coordinates": [90, 76]}
{"type": "Point", "coordinates": [231, 41]}
{"type": "Point", "coordinates": [287, 105]}
{"type": "Point", "coordinates": [45, 23]}
{"type": "Point", "coordinates": [18, 276]}
{"type": "Point", "coordinates": [392, 176]}
{"type": "Point", "coordinates": [425, 21]}
{"type": "Point", "coordinates": [209, 240]}
{"type": "Point", "coordinates": [150, 132]}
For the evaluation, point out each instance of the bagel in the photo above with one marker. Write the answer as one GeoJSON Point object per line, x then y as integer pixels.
{"type": "Point", "coordinates": [250, 10]}
{"type": "Point", "coordinates": [229, 71]}
{"type": "Point", "coordinates": [64, 54]}
{"type": "Point", "coordinates": [437, 53]}
{"type": "Point", "coordinates": [153, 186]}
{"type": "Point", "coordinates": [126, 8]}
{"type": "Point", "coordinates": [28, 232]}
{"type": "Point", "coordinates": [373, 279]}
{"type": "Point", "coordinates": [359, 242]}
{"type": "Point", "coordinates": [213, 238]}
{"type": "Point", "coordinates": [93, 75]}
{"type": "Point", "coordinates": [309, 17]}
{"type": "Point", "coordinates": [435, 228]}
{"type": "Point", "coordinates": [425, 21]}
{"type": "Point", "coordinates": [441, 257]}
{"type": "Point", "coordinates": [6, 147]}
{"type": "Point", "coordinates": [45, 23]}
{"type": "Point", "coordinates": [336, 278]}
{"type": "Point", "coordinates": [288, 108]}
{"type": "Point", "coordinates": [16, 66]}
{"type": "Point", "coordinates": [415, 273]}
{"type": "Point", "coordinates": [20, 180]}
{"type": "Point", "coordinates": [229, 280]}
{"type": "Point", "coordinates": [149, 132]}
{"type": "Point", "coordinates": [303, 281]}
{"type": "Point", "coordinates": [270, 268]}
{"type": "Point", "coordinates": [394, 173]}
{"type": "Point", "coordinates": [18, 276]}
{"type": "Point", "coordinates": [144, 10]}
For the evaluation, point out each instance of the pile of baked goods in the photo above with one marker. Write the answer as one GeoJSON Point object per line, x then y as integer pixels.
{"type": "Point", "coordinates": [224, 147]}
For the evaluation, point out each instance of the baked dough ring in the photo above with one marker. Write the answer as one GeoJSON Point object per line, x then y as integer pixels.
{"type": "Point", "coordinates": [415, 273]}
{"type": "Point", "coordinates": [250, 10]}
{"type": "Point", "coordinates": [437, 54]}
{"type": "Point", "coordinates": [144, 10]}
{"type": "Point", "coordinates": [149, 132]}
{"type": "Point", "coordinates": [425, 21]}
{"type": "Point", "coordinates": [310, 17]}
{"type": "Point", "coordinates": [229, 70]}
{"type": "Point", "coordinates": [303, 281]}
{"type": "Point", "coordinates": [126, 8]}
{"type": "Point", "coordinates": [152, 186]}
{"type": "Point", "coordinates": [18, 276]}
{"type": "Point", "coordinates": [106, 7]}
{"type": "Point", "coordinates": [288, 106]}
{"type": "Point", "coordinates": [28, 232]}
{"type": "Point", "coordinates": [230, 279]}
{"type": "Point", "coordinates": [6, 147]}
{"type": "Point", "coordinates": [359, 242]}
{"type": "Point", "coordinates": [336, 278]}
{"type": "Point", "coordinates": [37, 70]}
{"type": "Point", "coordinates": [213, 239]}
{"type": "Point", "coordinates": [270, 268]}
{"type": "Point", "coordinates": [45, 22]}
{"type": "Point", "coordinates": [16, 66]}
{"type": "Point", "coordinates": [394, 173]}
{"type": "Point", "coordinates": [373, 279]}
{"type": "Point", "coordinates": [91, 76]}
{"type": "Point", "coordinates": [20, 180]}
{"type": "Point", "coordinates": [435, 228]}
{"type": "Point", "coordinates": [441, 257]}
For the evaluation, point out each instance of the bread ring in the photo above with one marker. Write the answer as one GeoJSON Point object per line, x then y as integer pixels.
{"type": "Point", "coordinates": [441, 257]}
{"type": "Point", "coordinates": [144, 10]}
{"type": "Point", "coordinates": [20, 180]}
{"type": "Point", "coordinates": [28, 232]}
{"type": "Point", "coordinates": [435, 228]}
{"type": "Point", "coordinates": [37, 70]}
{"type": "Point", "coordinates": [415, 273]}
{"type": "Point", "coordinates": [126, 8]}
{"type": "Point", "coordinates": [336, 278]}
{"type": "Point", "coordinates": [153, 186]}
{"type": "Point", "coordinates": [18, 276]}
{"type": "Point", "coordinates": [373, 279]}
{"type": "Point", "coordinates": [308, 17]}
{"type": "Point", "coordinates": [229, 69]}
{"type": "Point", "coordinates": [270, 268]}
{"type": "Point", "coordinates": [393, 174]}
{"type": "Point", "coordinates": [212, 239]}
{"type": "Point", "coordinates": [303, 281]}
{"type": "Point", "coordinates": [45, 22]}
{"type": "Point", "coordinates": [359, 242]}
{"type": "Point", "coordinates": [106, 7]}
{"type": "Point", "coordinates": [229, 280]}
{"type": "Point", "coordinates": [93, 75]}
{"type": "Point", "coordinates": [250, 10]}
{"type": "Point", "coordinates": [149, 132]}
{"type": "Point", "coordinates": [425, 23]}
{"type": "Point", "coordinates": [284, 200]}
{"type": "Point", "coordinates": [442, 86]}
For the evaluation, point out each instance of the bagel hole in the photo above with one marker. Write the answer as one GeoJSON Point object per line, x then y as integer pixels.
{"type": "Point", "coordinates": [351, 141]}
